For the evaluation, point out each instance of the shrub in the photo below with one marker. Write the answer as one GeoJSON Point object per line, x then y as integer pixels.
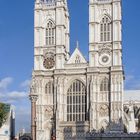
{"type": "Point", "coordinates": [3, 113]}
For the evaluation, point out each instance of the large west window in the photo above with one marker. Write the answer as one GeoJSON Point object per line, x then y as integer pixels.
{"type": "Point", "coordinates": [76, 102]}
{"type": "Point", "coordinates": [50, 33]}
{"type": "Point", "coordinates": [105, 29]}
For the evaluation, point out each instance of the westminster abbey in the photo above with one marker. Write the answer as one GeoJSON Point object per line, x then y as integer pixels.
{"type": "Point", "coordinates": [71, 95]}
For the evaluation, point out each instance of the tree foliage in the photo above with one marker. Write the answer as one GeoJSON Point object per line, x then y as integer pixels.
{"type": "Point", "coordinates": [3, 114]}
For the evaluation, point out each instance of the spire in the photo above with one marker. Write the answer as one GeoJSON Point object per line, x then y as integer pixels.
{"type": "Point", "coordinates": [77, 44]}
{"type": "Point", "coordinates": [65, 2]}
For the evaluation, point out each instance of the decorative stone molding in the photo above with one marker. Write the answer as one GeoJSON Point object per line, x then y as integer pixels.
{"type": "Point", "coordinates": [33, 97]}
{"type": "Point", "coordinates": [104, 50]}
{"type": "Point", "coordinates": [34, 86]}
{"type": "Point", "coordinates": [104, 112]}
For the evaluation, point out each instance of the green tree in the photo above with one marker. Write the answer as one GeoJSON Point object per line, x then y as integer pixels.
{"type": "Point", "coordinates": [3, 114]}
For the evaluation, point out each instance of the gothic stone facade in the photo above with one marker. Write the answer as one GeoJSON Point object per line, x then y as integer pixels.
{"type": "Point", "coordinates": [75, 95]}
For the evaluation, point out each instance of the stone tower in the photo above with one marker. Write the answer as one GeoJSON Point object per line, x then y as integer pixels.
{"type": "Point", "coordinates": [51, 30]}
{"type": "Point", "coordinates": [105, 57]}
{"type": "Point", "coordinates": [51, 51]}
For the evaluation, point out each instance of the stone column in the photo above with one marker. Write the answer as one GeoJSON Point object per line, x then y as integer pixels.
{"type": "Point", "coordinates": [33, 99]}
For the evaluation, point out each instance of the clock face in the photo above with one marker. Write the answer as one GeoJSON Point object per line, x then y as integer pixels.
{"type": "Point", "coordinates": [104, 59]}
{"type": "Point", "coordinates": [49, 61]}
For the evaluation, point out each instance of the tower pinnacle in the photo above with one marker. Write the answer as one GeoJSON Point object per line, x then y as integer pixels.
{"type": "Point", "coordinates": [77, 44]}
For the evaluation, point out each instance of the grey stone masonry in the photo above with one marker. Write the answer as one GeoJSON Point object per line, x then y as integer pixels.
{"type": "Point", "coordinates": [113, 136]}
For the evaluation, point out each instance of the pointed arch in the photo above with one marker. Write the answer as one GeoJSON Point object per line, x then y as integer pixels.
{"type": "Point", "coordinates": [48, 97]}
{"type": "Point", "coordinates": [71, 81]}
{"type": "Point", "coordinates": [104, 89]}
{"type": "Point", "coordinates": [49, 88]}
{"type": "Point", "coordinates": [104, 86]}
{"type": "Point", "coordinates": [50, 33]}
{"type": "Point", "coordinates": [50, 20]}
{"type": "Point", "coordinates": [105, 28]}
{"type": "Point", "coordinates": [106, 15]}
{"type": "Point", "coordinates": [76, 101]}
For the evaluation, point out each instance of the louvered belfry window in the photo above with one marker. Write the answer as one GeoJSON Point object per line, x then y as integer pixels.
{"type": "Point", "coordinates": [50, 33]}
{"type": "Point", "coordinates": [105, 29]}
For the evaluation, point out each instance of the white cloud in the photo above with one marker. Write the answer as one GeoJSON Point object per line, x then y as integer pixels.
{"type": "Point", "coordinates": [17, 95]}
{"type": "Point", "coordinates": [129, 78]}
{"type": "Point", "coordinates": [132, 82]}
{"type": "Point", "coordinates": [4, 83]}
{"type": "Point", "coordinates": [13, 96]}
{"type": "Point", "coordinates": [25, 84]}
{"type": "Point", "coordinates": [132, 95]}
{"type": "Point", "coordinates": [18, 98]}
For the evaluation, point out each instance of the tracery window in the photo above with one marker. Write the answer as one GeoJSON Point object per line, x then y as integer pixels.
{"type": "Point", "coordinates": [49, 88]}
{"type": "Point", "coordinates": [50, 33]}
{"type": "Point", "coordinates": [104, 89]}
{"type": "Point", "coordinates": [105, 29]}
{"type": "Point", "coordinates": [76, 102]}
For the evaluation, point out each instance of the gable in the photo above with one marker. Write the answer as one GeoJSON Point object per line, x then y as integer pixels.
{"type": "Point", "coordinates": [77, 57]}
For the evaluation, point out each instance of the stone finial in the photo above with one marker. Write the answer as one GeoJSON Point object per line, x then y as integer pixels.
{"type": "Point", "coordinates": [37, 1]}
{"type": "Point", "coordinates": [77, 44]}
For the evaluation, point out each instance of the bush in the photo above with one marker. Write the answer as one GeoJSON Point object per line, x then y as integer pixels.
{"type": "Point", "coordinates": [3, 114]}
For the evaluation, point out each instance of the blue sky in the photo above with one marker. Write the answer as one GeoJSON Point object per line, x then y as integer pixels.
{"type": "Point", "coordinates": [16, 48]}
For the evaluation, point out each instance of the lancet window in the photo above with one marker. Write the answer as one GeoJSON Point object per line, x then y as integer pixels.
{"type": "Point", "coordinates": [50, 33]}
{"type": "Point", "coordinates": [104, 89]}
{"type": "Point", "coordinates": [49, 88]}
{"type": "Point", "coordinates": [105, 29]}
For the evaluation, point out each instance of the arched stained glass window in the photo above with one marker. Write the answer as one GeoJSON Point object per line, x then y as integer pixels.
{"type": "Point", "coordinates": [104, 89]}
{"type": "Point", "coordinates": [50, 33]}
{"type": "Point", "coordinates": [76, 102]}
{"type": "Point", "coordinates": [105, 29]}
